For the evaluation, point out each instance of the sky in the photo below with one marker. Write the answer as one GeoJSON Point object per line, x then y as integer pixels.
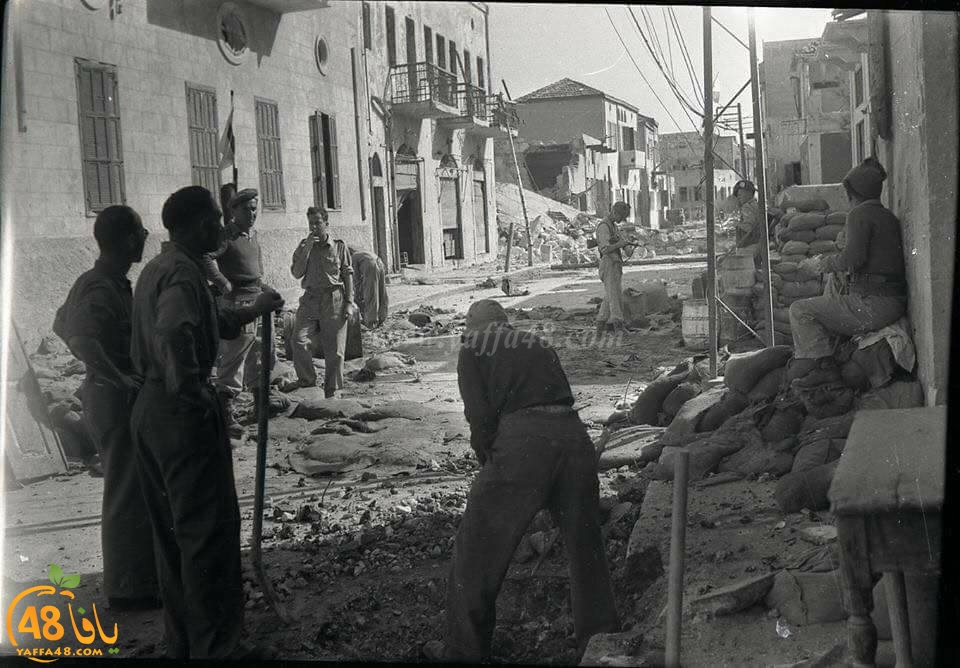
{"type": "Point", "coordinates": [533, 45]}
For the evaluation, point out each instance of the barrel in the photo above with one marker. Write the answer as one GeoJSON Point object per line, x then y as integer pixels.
{"type": "Point", "coordinates": [695, 323]}
{"type": "Point", "coordinates": [736, 273]}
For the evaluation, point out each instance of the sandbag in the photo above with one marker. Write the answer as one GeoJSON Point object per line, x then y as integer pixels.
{"type": "Point", "coordinates": [822, 246]}
{"type": "Point", "coordinates": [776, 280]}
{"type": "Point", "coordinates": [901, 394]}
{"type": "Point", "coordinates": [805, 236]}
{"type": "Point", "coordinates": [732, 403]}
{"type": "Point", "coordinates": [757, 458]}
{"type": "Point", "coordinates": [785, 268]}
{"type": "Point", "coordinates": [811, 455]}
{"type": "Point", "coordinates": [688, 417]}
{"type": "Point", "coordinates": [795, 248]}
{"type": "Point", "coordinates": [807, 598]}
{"type": "Point", "coordinates": [853, 375]}
{"type": "Point", "coordinates": [809, 204]}
{"type": "Point", "coordinates": [829, 232]}
{"type": "Point", "coordinates": [828, 428]}
{"type": "Point", "coordinates": [704, 458]}
{"type": "Point", "coordinates": [680, 395]}
{"type": "Point", "coordinates": [836, 218]}
{"type": "Point", "coordinates": [784, 423]}
{"type": "Point", "coordinates": [796, 258]}
{"type": "Point", "coordinates": [807, 221]}
{"type": "Point", "coordinates": [787, 217]}
{"type": "Point", "coordinates": [805, 489]}
{"type": "Point", "coordinates": [801, 289]}
{"type": "Point", "coordinates": [768, 386]}
{"type": "Point", "coordinates": [826, 400]}
{"type": "Point", "coordinates": [744, 370]}
{"type": "Point", "coordinates": [647, 407]}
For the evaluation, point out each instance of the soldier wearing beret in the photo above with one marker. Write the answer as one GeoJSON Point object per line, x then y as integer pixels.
{"type": "Point", "coordinates": [749, 230]}
{"type": "Point", "coordinates": [235, 269]}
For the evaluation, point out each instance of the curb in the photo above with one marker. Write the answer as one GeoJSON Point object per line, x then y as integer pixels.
{"type": "Point", "coordinates": [467, 287]}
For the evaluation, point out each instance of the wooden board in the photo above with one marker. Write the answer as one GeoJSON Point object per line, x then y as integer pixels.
{"type": "Point", "coordinates": [32, 449]}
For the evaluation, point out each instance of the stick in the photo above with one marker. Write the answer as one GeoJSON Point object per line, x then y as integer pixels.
{"type": "Point", "coordinates": [263, 408]}
{"type": "Point", "coordinates": [677, 544]}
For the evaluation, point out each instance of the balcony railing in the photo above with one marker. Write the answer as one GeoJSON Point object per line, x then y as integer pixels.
{"type": "Point", "coordinates": [422, 82]}
{"type": "Point", "coordinates": [472, 101]}
{"type": "Point", "coordinates": [500, 113]}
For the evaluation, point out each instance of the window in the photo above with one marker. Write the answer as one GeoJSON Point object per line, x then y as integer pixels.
{"type": "Point", "coordinates": [683, 193]}
{"type": "Point", "coordinates": [367, 27]}
{"type": "Point", "coordinates": [466, 66]}
{"type": "Point", "coordinates": [858, 87]}
{"type": "Point", "coordinates": [101, 147]}
{"type": "Point", "coordinates": [324, 160]}
{"type": "Point", "coordinates": [698, 194]}
{"type": "Point", "coordinates": [453, 57]}
{"type": "Point", "coordinates": [391, 29]}
{"type": "Point", "coordinates": [428, 44]}
{"type": "Point", "coordinates": [202, 128]}
{"type": "Point", "coordinates": [441, 52]}
{"type": "Point", "coordinates": [627, 138]}
{"type": "Point", "coordinates": [480, 77]}
{"type": "Point", "coordinates": [411, 33]}
{"type": "Point", "coordinates": [860, 143]}
{"type": "Point", "coordinates": [268, 153]}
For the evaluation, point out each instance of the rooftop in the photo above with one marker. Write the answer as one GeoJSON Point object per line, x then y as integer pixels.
{"type": "Point", "coordinates": [567, 87]}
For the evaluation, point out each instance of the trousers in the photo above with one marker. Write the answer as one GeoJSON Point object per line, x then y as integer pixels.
{"type": "Point", "coordinates": [537, 461]}
{"type": "Point", "coordinates": [373, 300]}
{"type": "Point", "coordinates": [321, 315]}
{"type": "Point", "coordinates": [238, 360]}
{"type": "Point", "coordinates": [126, 535]}
{"type": "Point", "coordinates": [611, 274]}
{"type": "Point", "coordinates": [816, 322]}
{"type": "Point", "coordinates": [186, 470]}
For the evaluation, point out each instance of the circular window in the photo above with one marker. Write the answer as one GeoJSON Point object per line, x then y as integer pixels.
{"type": "Point", "coordinates": [320, 54]}
{"type": "Point", "coordinates": [233, 34]}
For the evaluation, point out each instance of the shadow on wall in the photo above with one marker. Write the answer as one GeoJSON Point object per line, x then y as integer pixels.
{"type": "Point", "coordinates": [199, 18]}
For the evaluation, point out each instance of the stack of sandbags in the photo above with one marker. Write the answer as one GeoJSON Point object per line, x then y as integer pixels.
{"type": "Point", "coordinates": [819, 446]}
{"type": "Point", "coordinates": [662, 399]}
{"type": "Point", "coordinates": [802, 234]}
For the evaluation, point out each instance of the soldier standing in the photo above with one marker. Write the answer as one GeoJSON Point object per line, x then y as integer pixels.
{"type": "Point", "coordinates": [326, 272]}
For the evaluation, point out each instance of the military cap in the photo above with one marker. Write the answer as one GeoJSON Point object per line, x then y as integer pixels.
{"type": "Point", "coordinates": [243, 196]}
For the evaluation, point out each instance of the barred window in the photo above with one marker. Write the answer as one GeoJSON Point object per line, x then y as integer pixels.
{"type": "Point", "coordinates": [324, 160]}
{"type": "Point", "coordinates": [202, 128]}
{"type": "Point", "coordinates": [100, 142]}
{"type": "Point", "coordinates": [268, 153]}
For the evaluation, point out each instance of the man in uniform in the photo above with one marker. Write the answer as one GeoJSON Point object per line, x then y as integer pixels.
{"type": "Point", "coordinates": [534, 453]}
{"type": "Point", "coordinates": [95, 323]}
{"type": "Point", "coordinates": [370, 287]}
{"type": "Point", "coordinates": [326, 272]}
{"type": "Point", "coordinates": [609, 245]}
{"type": "Point", "coordinates": [235, 269]}
{"type": "Point", "coordinates": [178, 424]}
{"type": "Point", "coordinates": [749, 230]}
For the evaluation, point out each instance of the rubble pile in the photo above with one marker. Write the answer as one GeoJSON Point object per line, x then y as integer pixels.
{"type": "Point", "coordinates": [807, 229]}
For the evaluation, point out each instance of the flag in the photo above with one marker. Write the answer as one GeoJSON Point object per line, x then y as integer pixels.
{"type": "Point", "coordinates": [227, 141]}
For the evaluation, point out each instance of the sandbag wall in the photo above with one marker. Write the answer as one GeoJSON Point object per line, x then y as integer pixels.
{"type": "Point", "coordinates": [806, 230]}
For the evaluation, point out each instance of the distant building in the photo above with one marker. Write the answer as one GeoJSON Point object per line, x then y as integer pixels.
{"type": "Point", "coordinates": [588, 149]}
{"type": "Point", "coordinates": [806, 113]}
{"type": "Point", "coordinates": [682, 155]}
{"type": "Point", "coordinates": [381, 112]}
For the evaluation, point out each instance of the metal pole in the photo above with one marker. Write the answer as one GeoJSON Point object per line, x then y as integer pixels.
{"type": "Point", "coordinates": [708, 178]}
{"type": "Point", "coordinates": [356, 127]}
{"type": "Point", "coordinates": [678, 538]}
{"type": "Point", "coordinates": [743, 149]}
{"type": "Point", "coordinates": [761, 180]}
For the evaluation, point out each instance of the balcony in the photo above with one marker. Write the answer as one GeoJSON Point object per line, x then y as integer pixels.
{"type": "Point", "coordinates": [632, 159]}
{"type": "Point", "coordinates": [472, 105]}
{"type": "Point", "coordinates": [423, 90]}
{"type": "Point", "coordinates": [499, 119]}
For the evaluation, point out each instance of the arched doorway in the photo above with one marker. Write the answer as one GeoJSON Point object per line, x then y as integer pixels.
{"type": "Point", "coordinates": [409, 220]}
{"type": "Point", "coordinates": [379, 214]}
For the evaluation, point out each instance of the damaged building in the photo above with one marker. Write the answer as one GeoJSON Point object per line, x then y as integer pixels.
{"type": "Point", "coordinates": [587, 149]}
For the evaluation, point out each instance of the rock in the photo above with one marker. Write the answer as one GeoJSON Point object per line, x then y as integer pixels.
{"type": "Point", "coordinates": [807, 598]}
{"type": "Point", "coordinates": [614, 649]}
{"type": "Point", "coordinates": [744, 370]}
{"type": "Point", "coordinates": [688, 417]}
{"type": "Point", "coordinates": [819, 535]}
{"type": "Point", "coordinates": [733, 598]}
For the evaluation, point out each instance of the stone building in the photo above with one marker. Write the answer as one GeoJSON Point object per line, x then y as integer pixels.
{"type": "Point", "coordinates": [334, 104]}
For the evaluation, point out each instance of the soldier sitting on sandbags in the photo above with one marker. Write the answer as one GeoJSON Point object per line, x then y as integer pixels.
{"type": "Point", "coordinates": [873, 260]}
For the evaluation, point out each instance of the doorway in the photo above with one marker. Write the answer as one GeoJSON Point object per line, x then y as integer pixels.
{"type": "Point", "coordinates": [450, 219]}
{"type": "Point", "coordinates": [379, 216]}
{"type": "Point", "coordinates": [410, 226]}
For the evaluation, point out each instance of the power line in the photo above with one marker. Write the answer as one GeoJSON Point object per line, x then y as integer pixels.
{"type": "Point", "coordinates": [729, 32]}
{"type": "Point", "coordinates": [688, 61]}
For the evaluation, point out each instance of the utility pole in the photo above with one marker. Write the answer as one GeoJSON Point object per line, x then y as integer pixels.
{"type": "Point", "coordinates": [743, 150]}
{"type": "Point", "coordinates": [761, 179]}
{"type": "Point", "coordinates": [708, 178]}
{"type": "Point", "coordinates": [523, 202]}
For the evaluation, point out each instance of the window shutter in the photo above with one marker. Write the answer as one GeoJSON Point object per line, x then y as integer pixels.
{"type": "Point", "coordinates": [269, 154]}
{"type": "Point", "coordinates": [204, 138]}
{"type": "Point", "coordinates": [878, 57]}
{"type": "Point", "coordinates": [334, 166]}
{"type": "Point", "coordinates": [321, 169]}
{"type": "Point", "coordinates": [100, 136]}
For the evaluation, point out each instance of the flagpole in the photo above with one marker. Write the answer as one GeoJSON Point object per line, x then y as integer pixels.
{"type": "Point", "coordinates": [233, 158]}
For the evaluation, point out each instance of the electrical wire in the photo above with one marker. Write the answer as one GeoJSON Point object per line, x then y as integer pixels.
{"type": "Point", "coordinates": [687, 60]}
